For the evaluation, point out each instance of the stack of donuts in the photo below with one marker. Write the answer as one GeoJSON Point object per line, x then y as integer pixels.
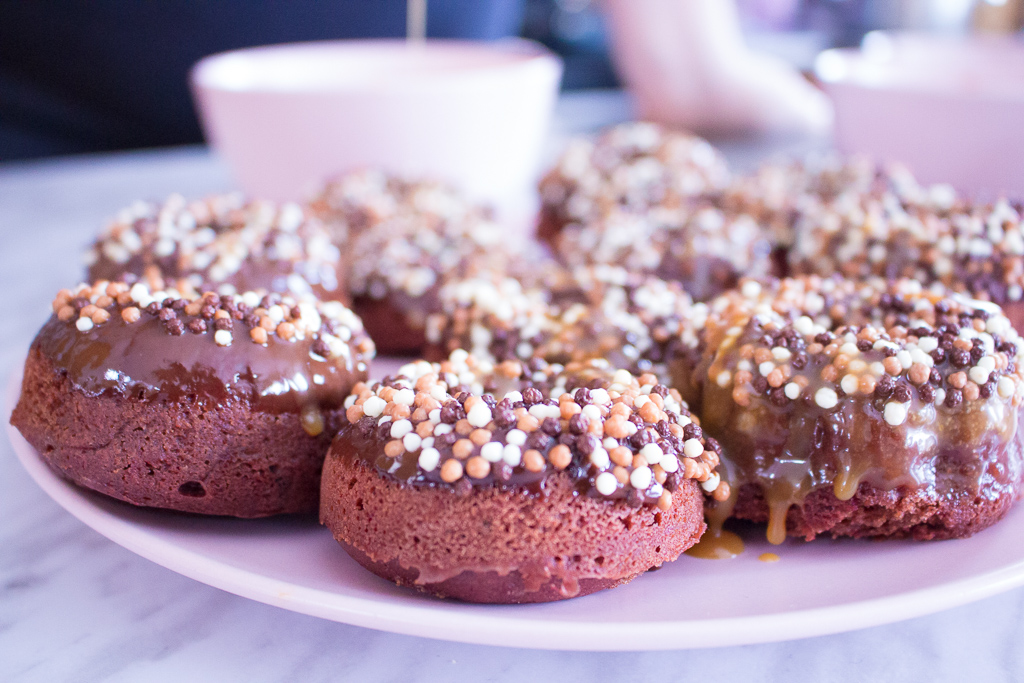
{"type": "Point", "coordinates": [824, 348]}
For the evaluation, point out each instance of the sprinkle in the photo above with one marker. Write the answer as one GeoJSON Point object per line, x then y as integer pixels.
{"type": "Point", "coordinates": [978, 374]}
{"type": "Point", "coordinates": [374, 406]}
{"type": "Point", "coordinates": [412, 442]}
{"type": "Point", "coordinates": [653, 453]}
{"type": "Point", "coordinates": [895, 413]}
{"type": "Point", "coordinates": [404, 397]}
{"type": "Point", "coordinates": [84, 324]}
{"type": "Point", "coordinates": [479, 415]}
{"type": "Point", "coordinates": [606, 484]}
{"type": "Point", "coordinates": [429, 459]}
{"type": "Point", "coordinates": [693, 448]}
{"type": "Point", "coordinates": [826, 398]}
{"type": "Point", "coordinates": [640, 478]}
{"type": "Point", "coordinates": [222, 337]}
{"type": "Point", "coordinates": [711, 483]}
{"type": "Point", "coordinates": [515, 437]}
{"type": "Point", "coordinates": [511, 454]}
{"type": "Point", "coordinates": [492, 451]}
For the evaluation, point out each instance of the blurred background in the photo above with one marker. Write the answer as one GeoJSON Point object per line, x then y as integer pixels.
{"type": "Point", "coordinates": [84, 77]}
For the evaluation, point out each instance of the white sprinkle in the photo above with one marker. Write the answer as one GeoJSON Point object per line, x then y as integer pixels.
{"type": "Point", "coordinates": [491, 451]}
{"type": "Point", "coordinates": [222, 337]}
{"type": "Point", "coordinates": [804, 325]}
{"type": "Point", "coordinates": [400, 429]}
{"type": "Point", "coordinates": [750, 289]}
{"type": "Point", "coordinates": [723, 379]}
{"type": "Point", "coordinates": [781, 354]}
{"type": "Point", "coordinates": [987, 362]}
{"type": "Point", "coordinates": [84, 324]}
{"type": "Point", "coordinates": [429, 458]}
{"type": "Point", "coordinates": [712, 482]}
{"type": "Point", "coordinates": [138, 292]}
{"type": "Point", "coordinates": [640, 400]}
{"type": "Point", "coordinates": [600, 396]}
{"type": "Point", "coordinates": [479, 415]}
{"type": "Point", "coordinates": [640, 478]}
{"type": "Point", "coordinates": [512, 454]}
{"type": "Point", "coordinates": [849, 349]}
{"type": "Point", "coordinates": [350, 401]}
{"type": "Point", "coordinates": [692, 448]}
{"type": "Point", "coordinates": [374, 406]}
{"type": "Point", "coordinates": [652, 453]}
{"type": "Point", "coordinates": [606, 483]}
{"type": "Point", "coordinates": [978, 374]}
{"type": "Point", "coordinates": [849, 383]}
{"type": "Point", "coordinates": [514, 396]}
{"type": "Point", "coordinates": [539, 411]}
{"type": "Point", "coordinates": [1005, 387]}
{"type": "Point", "coordinates": [412, 442]}
{"type": "Point", "coordinates": [792, 391]}
{"type": "Point", "coordinates": [610, 443]}
{"type": "Point", "coordinates": [940, 396]}
{"type": "Point", "coordinates": [928, 344]}
{"type": "Point", "coordinates": [905, 359]}
{"type": "Point", "coordinates": [404, 397]}
{"type": "Point", "coordinates": [591, 412]}
{"type": "Point", "coordinates": [765, 368]}
{"type": "Point", "coordinates": [442, 429]}
{"type": "Point", "coordinates": [599, 458]}
{"type": "Point", "coordinates": [434, 415]}
{"type": "Point", "coordinates": [826, 398]}
{"type": "Point", "coordinates": [516, 437]}
{"type": "Point", "coordinates": [669, 463]}
{"type": "Point", "coordinates": [895, 413]}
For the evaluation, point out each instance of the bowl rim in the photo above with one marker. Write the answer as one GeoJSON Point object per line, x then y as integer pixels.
{"type": "Point", "coordinates": [533, 57]}
{"type": "Point", "coordinates": [850, 56]}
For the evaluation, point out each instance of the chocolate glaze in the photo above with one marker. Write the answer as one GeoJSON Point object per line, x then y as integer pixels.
{"type": "Point", "coordinates": [144, 360]}
{"type": "Point", "coordinates": [364, 443]}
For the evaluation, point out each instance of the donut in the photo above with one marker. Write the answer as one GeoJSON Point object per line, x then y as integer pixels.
{"type": "Point", "coordinates": [634, 321]}
{"type": "Point", "coordinates": [644, 198]}
{"type": "Point", "coordinates": [577, 479]}
{"type": "Point", "coordinates": [404, 240]}
{"type": "Point", "coordinates": [974, 249]}
{"type": "Point", "coordinates": [863, 409]}
{"type": "Point", "coordinates": [221, 240]}
{"type": "Point", "coordinates": [857, 219]}
{"type": "Point", "coordinates": [188, 400]}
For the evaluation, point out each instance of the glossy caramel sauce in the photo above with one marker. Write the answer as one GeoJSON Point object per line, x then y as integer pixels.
{"type": "Point", "coordinates": [142, 359]}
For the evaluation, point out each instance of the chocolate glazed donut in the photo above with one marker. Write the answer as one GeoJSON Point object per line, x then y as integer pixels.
{"type": "Point", "coordinates": [439, 486]}
{"type": "Point", "coordinates": [195, 402]}
{"type": "Point", "coordinates": [862, 409]}
{"type": "Point", "coordinates": [223, 241]}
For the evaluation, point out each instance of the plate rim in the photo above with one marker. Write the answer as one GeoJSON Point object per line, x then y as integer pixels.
{"type": "Point", "coordinates": [434, 620]}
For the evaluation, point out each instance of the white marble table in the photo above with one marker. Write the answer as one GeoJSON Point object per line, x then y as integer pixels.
{"type": "Point", "coordinates": [76, 607]}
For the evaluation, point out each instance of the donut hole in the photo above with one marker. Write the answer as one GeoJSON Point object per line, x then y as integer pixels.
{"type": "Point", "coordinates": [192, 489]}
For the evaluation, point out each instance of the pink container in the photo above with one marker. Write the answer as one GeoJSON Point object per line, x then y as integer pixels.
{"type": "Point", "coordinates": [950, 108]}
{"type": "Point", "coordinates": [287, 117]}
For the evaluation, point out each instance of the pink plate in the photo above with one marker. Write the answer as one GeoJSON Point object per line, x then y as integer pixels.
{"type": "Point", "coordinates": [815, 589]}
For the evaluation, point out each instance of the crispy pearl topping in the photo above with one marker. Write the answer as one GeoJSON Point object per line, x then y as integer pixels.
{"type": "Point", "coordinates": [466, 423]}
{"type": "Point", "coordinates": [644, 198]}
{"type": "Point", "coordinates": [592, 312]}
{"type": "Point", "coordinates": [825, 339]}
{"type": "Point", "coordinates": [253, 316]}
{"type": "Point", "coordinates": [212, 240]}
{"type": "Point", "coordinates": [405, 236]}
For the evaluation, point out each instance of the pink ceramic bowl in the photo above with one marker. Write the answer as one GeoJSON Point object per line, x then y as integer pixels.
{"type": "Point", "coordinates": [950, 108]}
{"type": "Point", "coordinates": [287, 117]}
